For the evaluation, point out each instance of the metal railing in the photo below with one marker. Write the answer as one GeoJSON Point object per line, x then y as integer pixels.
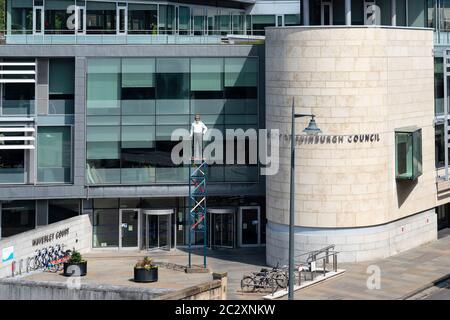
{"type": "Point", "coordinates": [309, 262]}
{"type": "Point", "coordinates": [53, 37]}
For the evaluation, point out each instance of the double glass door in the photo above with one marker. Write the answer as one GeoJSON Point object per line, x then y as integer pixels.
{"type": "Point", "coordinates": [222, 229]}
{"type": "Point", "coordinates": [158, 231]}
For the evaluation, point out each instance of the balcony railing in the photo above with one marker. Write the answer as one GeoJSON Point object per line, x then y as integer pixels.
{"type": "Point", "coordinates": [50, 37]}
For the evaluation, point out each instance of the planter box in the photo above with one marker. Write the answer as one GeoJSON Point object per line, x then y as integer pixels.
{"type": "Point", "coordinates": [145, 275]}
{"type": "Point", "coordinates": [75, 269]}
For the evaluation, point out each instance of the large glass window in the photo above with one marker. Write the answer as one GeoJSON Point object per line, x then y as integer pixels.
{"type": "Point", "coordinates": [259, 22]}
{"type": "Point", "coordinates": [54, 154]}
{"type": "Point", "coordinates": [57, 16]}
{"type": "Point", "coordinates": [408, 150]}
{"type": "Point", "coordinates": [184, 20]}
{"type": "Point", "coordinates": [12, 162]}
{"type": "Point", "coordinates": [61, 86]}
{"type": "Point", "coordinates": [132, 144]}
{"type": "Point", "coordinates": [101, 17]}
{"type": "Point", "coordinates": [439, 145]}
{"type": "Point", "coordinates": [59, 210]}
{"type": "Point", "coordinates": [17, 99]}
{"type": "Point", "coordinates": [142, 18]}
{"type": "Point", "coordinates": [21, 16]}
{"type": "Point", "coordinates": [105, 228]}
{"type": "Point", "coordinates": [166, 19]}
{"type": "Point", "coordinates": [416, 13]}
{"type": "Point", "coordinates": [438, 86]}
{"type": "Point", "coordinates": [17, 217]}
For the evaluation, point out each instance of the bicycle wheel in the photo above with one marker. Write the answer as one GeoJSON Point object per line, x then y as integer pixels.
{"type": "Point", "coordinates": [281, 279]}
{"type": "Point", "coordinates": [247, 284]}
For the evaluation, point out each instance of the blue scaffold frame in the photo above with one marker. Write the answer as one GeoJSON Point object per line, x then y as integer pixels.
{"type": "Point", "coordinates": [197, 205]}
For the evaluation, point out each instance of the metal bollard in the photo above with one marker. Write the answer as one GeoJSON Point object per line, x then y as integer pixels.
{"type": "Point", "coordinates": [335, 262]}
{"type": "Point", "coordinates": [324, 266]}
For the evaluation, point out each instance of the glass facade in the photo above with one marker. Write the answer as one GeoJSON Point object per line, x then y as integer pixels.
{"type": "Point", "coordinates": [57, 17]}
{"type": "Point", "coordinates": [17, 217]}
{"type": "Point", "coordinates": [54, 148]}
{"type": "Point", "coordinates": [134, 105]}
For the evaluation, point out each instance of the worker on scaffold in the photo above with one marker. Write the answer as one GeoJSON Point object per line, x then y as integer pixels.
{"type": "Point", "coordinates": [198, 130]}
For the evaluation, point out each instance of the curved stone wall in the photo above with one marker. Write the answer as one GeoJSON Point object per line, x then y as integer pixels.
{"type": "Point", "coordinates": [361, 83]}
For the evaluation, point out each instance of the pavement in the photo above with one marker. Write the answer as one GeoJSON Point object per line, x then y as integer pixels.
{"type": "Point", "coordinates": [411, 274]}
{"type": "Point", "coordinates": [399, 276]}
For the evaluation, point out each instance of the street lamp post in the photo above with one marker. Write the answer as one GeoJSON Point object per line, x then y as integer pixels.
{"type": "Point", "coordinates": [312, 129]}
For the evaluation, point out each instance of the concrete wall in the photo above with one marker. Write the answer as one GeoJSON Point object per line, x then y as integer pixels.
{"type": "Point", "coordinates": [17, 289]}
{"type": "Point", "coordinates": [354, 244]}
{"type": "Point", "coordinates": [79, 237]}
{"type": "Point", "coordinates": [357, 81]}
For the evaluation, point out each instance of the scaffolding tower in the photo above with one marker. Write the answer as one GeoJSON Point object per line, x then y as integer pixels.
{"type": "Point", "coordinates": [197, 205]}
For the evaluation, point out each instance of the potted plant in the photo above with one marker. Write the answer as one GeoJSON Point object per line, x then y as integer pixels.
{"type": "Point", "coordinates": [76, 265]}
{"type": "Point", "coordinates": [145, 271]}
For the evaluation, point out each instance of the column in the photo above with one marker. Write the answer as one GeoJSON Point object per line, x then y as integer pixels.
{"type": "Point", "coordinates": [348, 12]}
{"type": "Point", "coordinates": [394, 12]}
{"type": "Point", "coordinates": [305, 12]}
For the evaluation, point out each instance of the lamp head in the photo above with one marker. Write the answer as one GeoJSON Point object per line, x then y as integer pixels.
{"type": "Point", "coordinates": [312, 128]}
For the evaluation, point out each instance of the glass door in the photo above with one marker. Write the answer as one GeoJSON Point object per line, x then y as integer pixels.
{"type": "Point", "coordinates": [222, 229]}
{"type": "Point", "coordinates": [327, 14]}
{"type": "Point", "coordinates": [38, 20]}
{"type": "Point", "coordinates": [158, 232]}
{"type": "Point", "coordinates": [129, 228]}
{"type": "Point", "coordinates": [249, 226]}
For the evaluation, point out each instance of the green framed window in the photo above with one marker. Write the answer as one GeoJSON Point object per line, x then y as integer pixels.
{"type": "Point", "coordinates": [408, 153]}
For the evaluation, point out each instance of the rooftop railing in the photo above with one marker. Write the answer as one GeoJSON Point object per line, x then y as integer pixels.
{"type": "Point", "coordinates": [146, 37]}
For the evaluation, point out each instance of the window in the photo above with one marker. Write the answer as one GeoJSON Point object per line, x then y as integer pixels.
{"type": "Point", "coordinates": [59, 210]}
{"type": "Point", "coordinates": [101, 17]}
{"type": "Point", "coordinates": [54, 155]}
{"type": "Point", "coordinates": [17, 217]}
{"type": "Point", "coordinates": [61, 86]}
{"type": "Point", "coordinates": [18, 99]}
{"type": "Point", "coordinates": [21, 16]}
{"type": "Point", "coordinates": [438, 86]}
{"type": "Point", "coordinates": [439, 145]}
{"type": "Point", "coordinates": [408, 151]}
{"type": "Point", "coordinates": [142, 19]}
{"type": "Point", "coordinates": [57, 15]}
{"type": "Point", "coordinates": [12, 162]}
{"type": "Point", "coordinates": [259, 22]}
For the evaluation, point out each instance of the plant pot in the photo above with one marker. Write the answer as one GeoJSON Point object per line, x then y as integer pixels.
{"type": "Point", "coordinates": [145, 275]}
{"type": "Point", "coordinates": [75, 269]}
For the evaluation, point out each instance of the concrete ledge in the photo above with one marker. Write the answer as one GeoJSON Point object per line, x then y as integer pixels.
{"type": "Point", "coordinates": [193, 292]}
{"type": "Point", "coordinates": [18, 289]}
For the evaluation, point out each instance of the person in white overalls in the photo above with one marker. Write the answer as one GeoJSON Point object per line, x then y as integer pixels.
{"type": "Point", "coordinates": [198, 129]}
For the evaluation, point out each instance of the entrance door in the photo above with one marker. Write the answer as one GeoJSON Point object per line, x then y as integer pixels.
{"type": "Point", "coordinates": [326, 13]}
{"type": "Point", "coordinates": [129, 228]}
{"type": "Point", "coordinates": [158, 232]}
{"type": "Point", "coordinates": [249, 226]}
{"type": "Point", "coordinates": [222, 228]}
{"type": "Point", "coordinates": [38, 20]}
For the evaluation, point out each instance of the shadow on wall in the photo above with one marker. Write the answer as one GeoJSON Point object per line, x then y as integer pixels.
{"type": "Point", "coordinates": [404, 188]}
